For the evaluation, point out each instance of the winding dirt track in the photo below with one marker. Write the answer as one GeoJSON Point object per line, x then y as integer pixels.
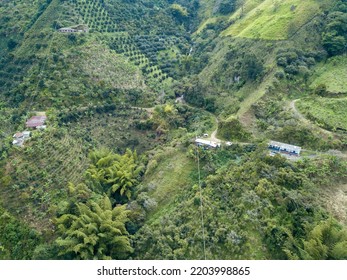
{"type": "Point", "coordinates": [306, 121]}
{"type": "Point", "coordinates": [303, 119]}
{"type": "Point", "coordinates": [214, 133]}
{"type": "Point", "coordinates": [297, 114]}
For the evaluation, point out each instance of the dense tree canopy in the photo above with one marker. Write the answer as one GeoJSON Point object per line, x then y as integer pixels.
{"type": "Point", "coordinates": [152, 76]}
{"type": "Point", "coordinates": [226, 6]}
{"type": "Point", "coordinates": [335, 35]}
{"type": "Point", "coordinates": [97, 231]}
{"type": "Point", "coordinates": [114, 173]}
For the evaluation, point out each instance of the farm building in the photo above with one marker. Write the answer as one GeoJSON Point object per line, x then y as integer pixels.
{"type": "Point", "coordinates": [67, 30]}
{"type": "Point", "coordinates": [24, 134]}
{"type": "Point", "coordinates": [283, 148]}
{"type": "Point", "coordinates": [206, 143]}
{"type": "Point", "coordinates": [36, 121]}
{"type": "Point", "coordinates": [20, 137]}
{"type": "Point", "coordinates": [18, 142]}
{"type": "Point", "coordinates": [79, 28]}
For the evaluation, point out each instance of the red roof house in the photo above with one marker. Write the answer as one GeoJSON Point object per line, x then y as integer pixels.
{"type": "Point", "coordinates": [36, 121]}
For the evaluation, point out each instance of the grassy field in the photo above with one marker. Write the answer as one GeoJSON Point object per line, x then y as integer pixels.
{"type": "Point", "coordinates": [271, 20]}
{"type": "Point", "coordinates": [168, 175]}
{"type": "Point", "coordinates": [333, 74]}
{"type": "Point", "coordinates": [329, 113]}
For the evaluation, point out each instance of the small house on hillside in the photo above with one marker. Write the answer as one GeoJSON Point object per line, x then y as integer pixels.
{"type": "Point", "coordinates": [20, 137]}
{"type": "Point", "coordinates": [278, 147]}
{"type": "Point", "coordinates": [36, 122]}
{"type": "Point", "coordinates": [206, 143]}
{"type": "Point", "coordinates": [79, 28]}
{"type": "Point", "coordinates": [67, 30]}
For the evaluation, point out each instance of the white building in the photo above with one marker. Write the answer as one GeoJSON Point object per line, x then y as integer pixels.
{"type": "Point", "coordinates": [284, 148]}
{"type": "Point", "coordinates": [79, 28]}
{"type": "Point", "coordinates": [206, 143]}
{"type": "Point", "coordinates": [20, 137]}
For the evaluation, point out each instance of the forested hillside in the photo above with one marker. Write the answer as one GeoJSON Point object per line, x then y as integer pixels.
{"type": "Point", "coordinates": [157, 121]}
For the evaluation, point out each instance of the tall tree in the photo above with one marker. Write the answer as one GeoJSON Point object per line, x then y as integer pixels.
{"type": "Point", "coordinates": [114, 173]}
{"type": "Point", "coordinates": [326, 241]}
{"type": "Point", "coordinates": [123, 174]}
{"type": "Point", "coordinates": [334, 37]}
{"type": "Point", "coordinates": [96, 232]}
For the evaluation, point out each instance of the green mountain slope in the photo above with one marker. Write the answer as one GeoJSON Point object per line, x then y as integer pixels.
{"type": "Point", "coordinates": [273, 20]}
{"type": "Point", "coordinates": [151, 77]}
{"type": "Point", "coordinates": [332, 73]}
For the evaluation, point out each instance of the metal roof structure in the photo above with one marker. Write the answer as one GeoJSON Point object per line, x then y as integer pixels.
{"type": "Point", "coordinates": [36, 121]}
{"type": "Point", "coordinates": [20, 138]}
{"type": "Point", "coordinates": [24, 134]}
{"type": "Point", "coordinates": [18, 135]}
{"type": "Point", "coordinates": [283, 147]}
{"type": "Point", "coordinates": [68, 29]}
{"type": "Point", "coordinates": [18, 142]}
{"type": "Point", "coordinates": [79, 28]}
{"type": "Point", "coordinates": [206, 143]}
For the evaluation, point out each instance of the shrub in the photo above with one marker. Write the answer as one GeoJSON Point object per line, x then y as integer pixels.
{"type": "Point", "coordinates": [321, 90]}
{"type": "Point", "coordinates": [232, 129]}
{"type": "Point", "coordinates": [11, 44]}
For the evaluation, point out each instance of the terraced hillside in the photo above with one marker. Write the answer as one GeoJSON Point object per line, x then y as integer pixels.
{"type": "Point", "coordinates": [141, 48]}
{"type": "Point", "coordinates": [94, 15]}
{"type": "Point", "coordinates": [156, 55]}
{"type": "Point", "coordinates": [17, 19]}
{"type": "Point", "coordinates": [40, 172]}
{"type": "Point", "coordinates": [49, 83]}
{"type": "Point", "coordinates": [125, 103]}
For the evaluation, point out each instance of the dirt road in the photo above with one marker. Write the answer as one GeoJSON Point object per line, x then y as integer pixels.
{"type": "Point", "coordinates": [214, 133]}
{"type": "Point", "coordinates": [304, 120]}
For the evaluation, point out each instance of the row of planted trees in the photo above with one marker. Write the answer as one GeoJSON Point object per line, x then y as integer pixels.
{"type": "Point", "coordinates": [95, 15]}
{"type": "Point", "coordinates": [158, 55]}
